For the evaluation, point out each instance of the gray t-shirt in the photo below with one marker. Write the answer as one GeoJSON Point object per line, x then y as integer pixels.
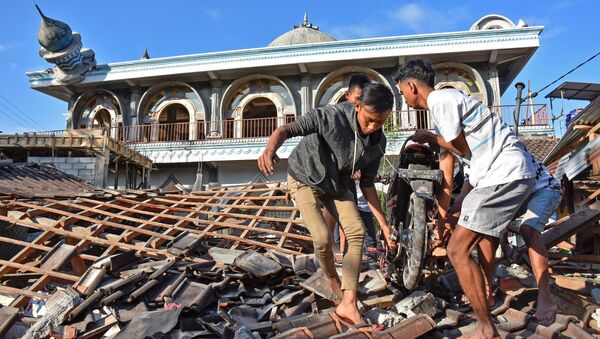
{"type": "Point", "coordinates": [497, 156]}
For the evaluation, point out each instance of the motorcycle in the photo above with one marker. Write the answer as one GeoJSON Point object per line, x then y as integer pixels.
{"type": "Point", "coordinates": [413, 204]}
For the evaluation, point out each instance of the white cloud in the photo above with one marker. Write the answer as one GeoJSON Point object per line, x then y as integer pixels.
{"type": "Point", "coordinates": [553, 31]}
{"type": "Point", "coordinates": [13, 65]}
{"type": "Point", "coordinates": [213, 13]}
{"type": "Point", "coordinates": [421, 19]}
{"type": "Point", "coordinates": [5, 47]}
{"type": "Point", "coordinates": [354, 31]}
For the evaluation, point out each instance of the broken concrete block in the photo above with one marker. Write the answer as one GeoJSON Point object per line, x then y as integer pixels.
{"type": "Point", "coordinates": [224, 256]}
{"type": "Point", "coordinates": [371, 281]}
{"type": "Point", "coordinates": [416, 303]}
{"type": "Point", "coordinates": [384, 317]}
{"type": "Point", "coordinates": [256, 264]}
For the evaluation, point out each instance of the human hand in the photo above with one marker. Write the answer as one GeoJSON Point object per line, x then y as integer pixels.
{"type": "Point", "coordinates": [267, 161]}
{"type": "Point", "coordinates": [356, 175]}
{"type": "Point", "coordinates": [423, 136]}
{"type": "Point", "coordinates": [387, 233]}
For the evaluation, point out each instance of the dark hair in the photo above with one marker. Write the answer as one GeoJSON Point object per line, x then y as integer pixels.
{"type": "Point", "coordinates": [358, 80]}
{"type": "Point", "coordinates": [377, 96]}
{"type": "Point", "coordinates": [418, 69]}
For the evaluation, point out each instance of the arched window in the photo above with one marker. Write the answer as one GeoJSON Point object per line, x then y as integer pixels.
{"type": "Point", "coordinates": [173, 122]}
{"type": "Point", "coordinates": [98, 109]}
{"type": "Point", "coordinates": [255, 106]}
{"type": "Point", "coordinates": [259, 118]}
{"type": "Point", "coordinates": [178, 111]}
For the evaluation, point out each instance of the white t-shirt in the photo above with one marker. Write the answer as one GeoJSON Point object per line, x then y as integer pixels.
{"type": "Point", "coordinates": [497, 156]}
{"type": "Point", "coordinates": [543, 178]}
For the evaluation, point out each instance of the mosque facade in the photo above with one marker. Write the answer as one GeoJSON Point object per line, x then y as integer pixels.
{"type": "Point", "coordinates": [214, 111]}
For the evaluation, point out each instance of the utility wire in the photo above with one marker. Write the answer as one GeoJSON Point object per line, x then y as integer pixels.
{"type": "Point", "coordinates": [569, 72]}
{"type": "Point", "coordinates": [14, 114]}
{"type": "Point", "coordinates": [14, 120]}
{"type": "Point", "coordinates": [20, 110]}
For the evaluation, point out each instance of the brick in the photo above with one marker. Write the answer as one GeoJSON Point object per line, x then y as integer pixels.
{"type": "Point", "coordinates": [64, 167]}
{"type": "Point", "coordinates": [83, 173]}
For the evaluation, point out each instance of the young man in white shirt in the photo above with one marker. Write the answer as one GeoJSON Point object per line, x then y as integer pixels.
{"type": "Point", "coordinates": [501, 175]}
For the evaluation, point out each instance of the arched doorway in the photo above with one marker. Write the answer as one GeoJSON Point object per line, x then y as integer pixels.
{"type": "Point", "coordinates": [174, 123]}
{"type": "Point", "coordinates": [102, 119]}
{"type": "Point", "coordinates": [259, 118]}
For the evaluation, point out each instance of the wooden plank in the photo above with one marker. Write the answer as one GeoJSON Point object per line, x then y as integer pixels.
{"type": "Point", "coordinates": [150, 251]}
{"type": "Point", "coordinates": [168, 236]}
{"type": "Point", "coordinates": [92, 239]}
{"type": "Point", "coordinates": [194, 197]}
{"type": "Point", "coordinates": [567, 226]}
{"type": "Point", "coordinates": [260, 212]}
{"type": "Point", "coordinates": [590, 198]}
{"type": "Point", "coordinates": [29, 268]}
{"type": "Point", "coordinates": [29, 294]}
{"type": "Point", "coordinates": [241, 207]}
{"type": "Point", "coordinates": [92, 220]}
{"type": "Point", "coordinates": [188, 210]}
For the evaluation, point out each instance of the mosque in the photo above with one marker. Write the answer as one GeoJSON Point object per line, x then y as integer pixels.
{"type": "Point", "coordinates": [214, 111]}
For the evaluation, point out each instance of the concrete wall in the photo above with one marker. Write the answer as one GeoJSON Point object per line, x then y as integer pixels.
{"type": "Point", "coordinates": [82, 167]}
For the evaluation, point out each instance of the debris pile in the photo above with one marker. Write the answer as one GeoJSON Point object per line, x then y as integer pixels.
{"type": "Point", "coordinates": [233, 262]}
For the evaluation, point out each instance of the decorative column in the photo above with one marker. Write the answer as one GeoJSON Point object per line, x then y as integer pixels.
{"type": "Point", "coordinates": [70, 121]}
{"type": "Point", "coordinates": [305, 95]}
{"type": "Point", "coordinates": [133, 131]}
{"type": "Point", "coordinates": [495, 84]}
{"type": "Point", "coordinates": [216, 115]}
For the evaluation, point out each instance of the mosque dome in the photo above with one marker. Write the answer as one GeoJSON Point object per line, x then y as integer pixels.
{"type": "Point", "coordinates": [305, 33]}
{"type": "Point", "coordinates": [54, 35]}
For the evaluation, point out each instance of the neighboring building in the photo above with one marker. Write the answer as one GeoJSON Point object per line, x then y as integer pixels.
{"type": "Point", "coordinates": [219, 108]}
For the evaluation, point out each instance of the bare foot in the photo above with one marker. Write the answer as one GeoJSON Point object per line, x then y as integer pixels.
{"type": "Point", "coordinates": [545, 312]}
{"type": "Point", "coordinates": [349, 312]}
{"type": "Point", "coordinates": [485, 332]}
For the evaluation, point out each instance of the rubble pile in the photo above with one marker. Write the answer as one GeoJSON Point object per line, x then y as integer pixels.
{"type": "Point", "coordinates": [235, 262]}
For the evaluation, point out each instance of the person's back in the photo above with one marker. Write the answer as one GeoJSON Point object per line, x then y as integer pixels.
{"type": "Point", "coordinates": [497, 155]}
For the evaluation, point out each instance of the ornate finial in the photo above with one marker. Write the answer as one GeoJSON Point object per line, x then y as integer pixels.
{"type": "Point", "coordinates": [306, 24]}
{"type": "Point", "coordinates": [53, 35]}
{"type": "Point", "coordinates": [145, 56]}
{"type": "Point", "coordinates": [62, 47]}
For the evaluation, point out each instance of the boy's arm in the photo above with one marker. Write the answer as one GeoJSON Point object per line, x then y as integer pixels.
{"type": "Point", "coordinates": [266, 162]}
{"type": "Point", "coordinates": [306, 124]}
{"type": "Point", "coordinates": [458, 145]}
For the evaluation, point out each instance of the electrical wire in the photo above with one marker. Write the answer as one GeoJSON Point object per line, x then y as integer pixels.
{"type": "Point", "coordinates": [14, 120]}
{"type": "Point", "coordinates": [22, 112]}
{"type": "Point", "coordinates": [569, 72]}
{"type": "Point", "coordinates": [14, 114]}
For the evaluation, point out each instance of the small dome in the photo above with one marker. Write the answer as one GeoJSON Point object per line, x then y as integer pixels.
{"type": "Point", "coordinates": [493, 21]}
{"type": "Point", "coordinates": [305, 33]}
{"type": "Point", "coordinates": [53, 35]}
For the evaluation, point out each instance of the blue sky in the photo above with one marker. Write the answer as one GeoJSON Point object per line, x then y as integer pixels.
{"type": "Point", "coordinates": [120, 30]}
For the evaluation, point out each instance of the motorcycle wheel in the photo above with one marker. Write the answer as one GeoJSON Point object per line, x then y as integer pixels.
{"type": "Point", "coordinates": [414, 242]}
